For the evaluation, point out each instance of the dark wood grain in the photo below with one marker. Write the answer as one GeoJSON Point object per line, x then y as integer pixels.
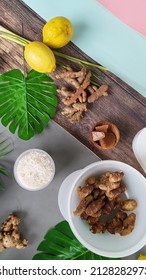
{"type": "Point", "coordinates": [124, 106]}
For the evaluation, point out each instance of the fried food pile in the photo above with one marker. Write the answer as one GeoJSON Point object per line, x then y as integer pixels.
{"type": "Point", "coordinates": [102, 206]}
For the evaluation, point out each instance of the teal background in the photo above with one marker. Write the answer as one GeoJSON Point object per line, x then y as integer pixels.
{"type": "Point", "coordinates": [102, 36]}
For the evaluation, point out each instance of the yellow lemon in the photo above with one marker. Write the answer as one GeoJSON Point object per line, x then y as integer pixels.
{"type": "Point", "coordinates": [142, 257]}
{"type": "Point", "coordinates": [39, 57]}
{"type": "Point", "coordinates": [57, 32]}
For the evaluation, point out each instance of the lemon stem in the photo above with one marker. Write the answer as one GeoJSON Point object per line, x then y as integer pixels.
{"type": "Point", "coordinates": [5, 33]}
{"type": "Point", "coordinates": [74, 59]}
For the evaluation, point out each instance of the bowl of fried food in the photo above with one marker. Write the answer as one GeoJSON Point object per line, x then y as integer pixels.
{"type": "Point", "coordinates": [104, 204]}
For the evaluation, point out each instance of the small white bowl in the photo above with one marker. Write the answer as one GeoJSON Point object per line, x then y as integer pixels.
{"type": "Point", "coordinates": [106, 244]}
{"type": "Point", "coordinates": [29, 155]}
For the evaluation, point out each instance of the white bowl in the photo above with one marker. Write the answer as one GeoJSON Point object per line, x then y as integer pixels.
{"type": "Point", "coordinates": [139, 147]}
{"type": "Point", "coordinates": [50, 166]}
{"type": "Point", "coordinates": [106, 244]}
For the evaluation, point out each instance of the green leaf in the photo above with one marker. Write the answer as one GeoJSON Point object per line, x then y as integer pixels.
{"type": "Point", "coordinates": [3, 171]}
{"type": "Point", "coordinates": [60, 244]}
{"type": "Point", "coordinates": [26, 103]}
{"type": "Point", "coordinates": [5, 148]}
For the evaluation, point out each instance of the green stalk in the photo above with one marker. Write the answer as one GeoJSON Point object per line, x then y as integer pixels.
{"type": "Point", "coordinates": [74, 59]}
{"type": "Point", "coordinates": [12, 38]}
{"type": "Point", "coordinates": [5, 33]}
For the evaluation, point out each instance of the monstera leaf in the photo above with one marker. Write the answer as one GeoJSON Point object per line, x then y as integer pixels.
{"type": "Point", "coordinates": [5, 148]}
{"type": "Point", "coordinates": [26, 103]}
{"type": "Point", "coordinates": [60, 244]}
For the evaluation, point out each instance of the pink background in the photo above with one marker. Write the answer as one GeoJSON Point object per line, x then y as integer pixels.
{"type": "Point", "coordinates": [131, 12]}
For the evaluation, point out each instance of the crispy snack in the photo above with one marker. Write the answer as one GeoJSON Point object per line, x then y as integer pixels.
{"type": "Point", "coordinates": [101, 197]}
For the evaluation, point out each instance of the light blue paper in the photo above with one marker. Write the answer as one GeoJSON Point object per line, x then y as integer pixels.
{"type": "Point", "coordinates": [101, 36]}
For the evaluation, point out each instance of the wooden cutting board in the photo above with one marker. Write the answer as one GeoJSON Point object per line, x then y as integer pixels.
{"type": "Point", "coordinates": [124, 106]}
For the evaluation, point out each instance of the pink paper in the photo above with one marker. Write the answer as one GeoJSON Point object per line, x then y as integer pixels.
{"type": "Point", "coordinates": [131, 12]}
